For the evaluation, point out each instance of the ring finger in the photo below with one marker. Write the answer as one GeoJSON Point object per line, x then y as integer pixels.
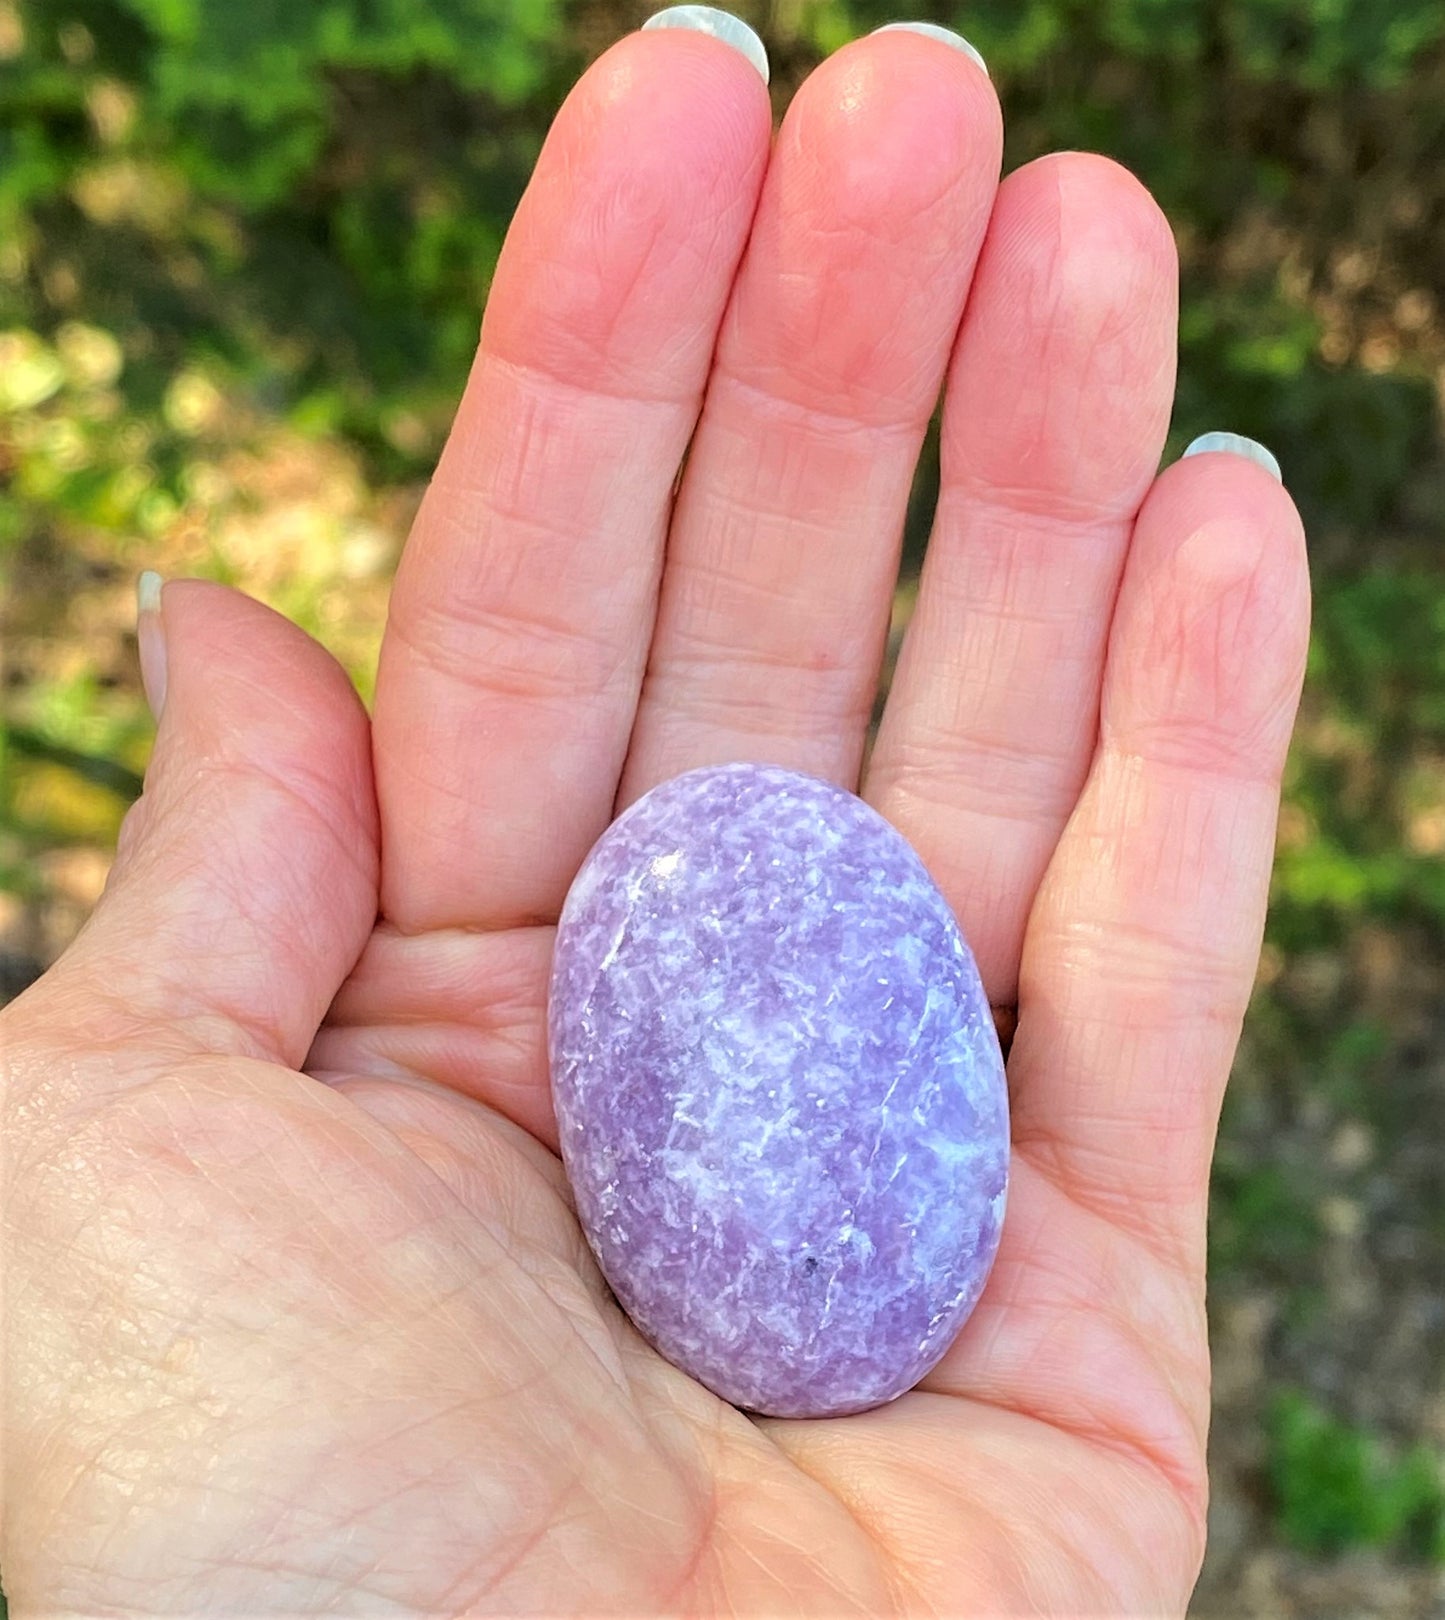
{"type": "Point", "coordinates": [1058, 401]}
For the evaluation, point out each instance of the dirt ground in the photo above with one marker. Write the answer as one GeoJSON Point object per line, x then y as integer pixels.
{"type": "Point", "coordinates": [1337, 1287]}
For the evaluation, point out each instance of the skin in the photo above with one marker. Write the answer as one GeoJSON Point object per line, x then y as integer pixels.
{"type": "Point", "coordinates": [297, 1318]}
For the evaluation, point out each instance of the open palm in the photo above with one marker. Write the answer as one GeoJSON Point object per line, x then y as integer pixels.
{"type": "Point", "coordinates": [298, 1318]}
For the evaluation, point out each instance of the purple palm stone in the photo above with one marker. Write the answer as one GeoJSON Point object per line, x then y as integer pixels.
{"type": "Point", "coordinates": [779, 1092]}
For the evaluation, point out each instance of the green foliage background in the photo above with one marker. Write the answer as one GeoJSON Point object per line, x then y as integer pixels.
{"type": "Point", "coordinates": [237, 239]}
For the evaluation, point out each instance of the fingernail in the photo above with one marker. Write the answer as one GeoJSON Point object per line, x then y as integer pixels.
{"type": "Point", "coordinates": [721, 25]}
{"type": "Point", "coordinates": [150, 635]}
{"type": "Point", "coordinates": [1235, 444]}
{"type": "Point", "coordinates": [944, 36]}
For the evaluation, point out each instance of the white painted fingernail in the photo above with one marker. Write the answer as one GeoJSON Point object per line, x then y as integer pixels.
{"type": "Point", "coordinates": [1235, 444]}
{"type": "Point", "coordinates": [721, 25]}
{"type": "Point", "coordinates": [944, 36]}
{"type": "Point", "coordinates": [150, 636]}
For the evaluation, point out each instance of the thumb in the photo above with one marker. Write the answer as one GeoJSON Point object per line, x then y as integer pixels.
{"type": "Point", "coordinates": [246, 880]}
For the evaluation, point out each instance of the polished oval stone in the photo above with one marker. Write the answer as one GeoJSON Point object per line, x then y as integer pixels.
{"type": "Point", "coordinates": [779, 1091]}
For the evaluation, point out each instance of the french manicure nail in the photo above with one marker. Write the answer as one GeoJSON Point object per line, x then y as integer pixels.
{"type": "Point", "coordinates": [1235, 444]}
{"type": "Point", "coordinates": [721, 25]}
{"type": "Point", "coordinates": [944, 36]}
{"type": "Point", "coordinates": [150, 635]}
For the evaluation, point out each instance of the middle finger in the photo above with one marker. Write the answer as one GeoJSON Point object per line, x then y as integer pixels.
{"type": "Point", "coordinates": [784, 544]}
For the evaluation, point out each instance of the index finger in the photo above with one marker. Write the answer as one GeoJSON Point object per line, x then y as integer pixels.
{"type": "Point", "coordinates": [523, 606]}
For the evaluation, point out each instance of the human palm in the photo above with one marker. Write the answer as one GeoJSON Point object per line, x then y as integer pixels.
{"type": "Point", "coordinates": [298, 1318]}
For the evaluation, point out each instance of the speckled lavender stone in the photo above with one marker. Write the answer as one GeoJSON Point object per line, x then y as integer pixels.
{"type": "Point", "coordinates": [779, 1092]}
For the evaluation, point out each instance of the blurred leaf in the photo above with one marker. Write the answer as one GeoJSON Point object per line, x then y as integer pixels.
{"type": "Point", "coordinates": [1337, 1487]}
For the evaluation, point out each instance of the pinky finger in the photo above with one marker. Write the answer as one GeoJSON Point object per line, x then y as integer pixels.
{"type": "Point", "coordinates": [1144, 940]}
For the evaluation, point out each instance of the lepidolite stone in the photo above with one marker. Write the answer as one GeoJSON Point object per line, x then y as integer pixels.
{"type": "Point", "coordinates": [779, 1091]}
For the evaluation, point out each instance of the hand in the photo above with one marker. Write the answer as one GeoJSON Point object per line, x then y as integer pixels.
{"type": "Point", "coordinates": [298, 1318]}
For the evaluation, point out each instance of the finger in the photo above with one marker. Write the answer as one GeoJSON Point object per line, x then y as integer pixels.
{"type": "Point", "coordinates": [784, 546]}
{"type": "Point", "coordinates": [1143, 945]}
{"type": "Point", "coordinates": [522, 610]}
{"type": "Point", "coordinates": [464, 1009]}
{"type": "Point", "coordinates": [1084, 1329]}
{"type": "Point", "coordinates": [1057, 406]}
{"type": "Point", "coordinates": [246, 881]}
